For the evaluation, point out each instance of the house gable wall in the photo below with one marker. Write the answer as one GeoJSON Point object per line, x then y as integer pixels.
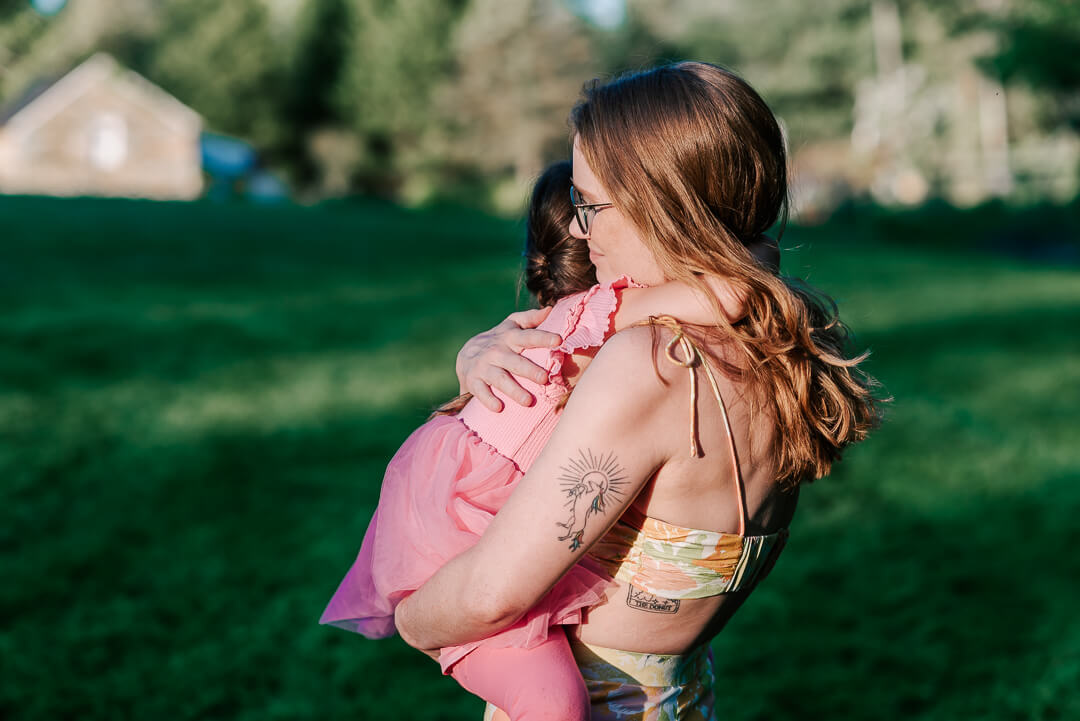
{"type": "Point", "coordinates": [110, 137]}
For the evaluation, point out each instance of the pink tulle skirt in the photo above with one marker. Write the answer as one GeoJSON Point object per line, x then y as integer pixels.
{"type": "Point", "coordinates": [440, 492]}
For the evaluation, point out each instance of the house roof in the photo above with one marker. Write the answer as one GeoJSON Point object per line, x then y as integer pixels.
{"type": "Point", "coordinates": [8, 110]}
{"type": "Point", "coordinates": [46, 98]}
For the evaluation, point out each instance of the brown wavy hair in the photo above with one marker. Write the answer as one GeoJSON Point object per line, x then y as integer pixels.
{"type": "Point", "coordinates": [693, 156]}
{"type": "Point", "coordinates": [556, 263]}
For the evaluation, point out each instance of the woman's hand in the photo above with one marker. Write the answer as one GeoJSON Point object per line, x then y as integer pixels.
{"type": "Point", "coordinates": [491, 359]}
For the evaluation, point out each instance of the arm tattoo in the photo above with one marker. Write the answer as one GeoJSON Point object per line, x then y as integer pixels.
{"type": "Point", "coordinates": [637, 598]}
{"type": "Point", "coordinates": [589, 483]}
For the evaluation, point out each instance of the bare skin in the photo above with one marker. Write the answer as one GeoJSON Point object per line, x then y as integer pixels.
{"type": "Point", "coordinates": [474, 595]}
{"type": "Point", "coordinates": [629, 410]}
{"type": "Point", "coordinates": [491, 359]}
{"type": "Point", "coordinates": [627, 619]}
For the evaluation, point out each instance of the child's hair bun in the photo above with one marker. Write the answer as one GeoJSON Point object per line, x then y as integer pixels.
{"type": "Point", "coordinates": [556, 263]}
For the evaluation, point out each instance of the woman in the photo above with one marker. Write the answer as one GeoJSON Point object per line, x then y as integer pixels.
{"type": "Point", "coordinates": [684, 500]}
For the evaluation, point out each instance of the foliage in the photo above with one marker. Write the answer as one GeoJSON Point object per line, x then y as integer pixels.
{"type": "Point", "coordinates": [510, 84]}
{"type": "Point", "coordinates": [415, 99]}
{"type": "Point", "coordinates": [1038, 45]}
{"type": "Point", "coordinates": [20, 28]}
{"type": "Point", "coordinates": [309, 97]}
{"type": "Point", "coordinates": [803, 57]}
{"type": "Point", "coordinates": [400, 53]}
{"type": "Point", "coordinates": [220, 58]}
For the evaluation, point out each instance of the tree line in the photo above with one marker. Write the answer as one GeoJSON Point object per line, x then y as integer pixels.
{"type": "Point", "coordinates": [413, 99]}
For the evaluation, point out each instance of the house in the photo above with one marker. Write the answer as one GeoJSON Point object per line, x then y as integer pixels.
{"type": "Point", "coordinates": [101, 130]}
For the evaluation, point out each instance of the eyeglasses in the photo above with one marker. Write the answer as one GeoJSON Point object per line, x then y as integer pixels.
{"type": "Point", "coordinates": [585, 212]}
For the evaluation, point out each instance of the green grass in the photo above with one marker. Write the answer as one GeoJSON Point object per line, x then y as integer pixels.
{"type": "Point", "coordinates": [197, 401]}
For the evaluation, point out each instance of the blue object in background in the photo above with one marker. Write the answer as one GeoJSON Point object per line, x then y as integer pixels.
{"type": "Point", "coordinates": [226, 158]}
{"type": "Point", "coordinates": [48, 7]}
{"type": "Point", "coordinates": [266, 188]}
{"type": "Point", "coordinates": [235, 171]}
{"type": "Point", "coordinates": [606, 14]}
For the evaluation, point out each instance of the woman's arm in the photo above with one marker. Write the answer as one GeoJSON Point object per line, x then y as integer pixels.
{"type": "Point", "coordinates": [607, 445]}
{"type": "Point", "coordinates": [678, 299]}
{"type": "Point", "coordinates": [689, 304]}
{"type": "Point", "coordinates": [492, 359]}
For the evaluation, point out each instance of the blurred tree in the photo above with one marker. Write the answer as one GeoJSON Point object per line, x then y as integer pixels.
{"type": "Point", "coordinates": [1040, 45]}
{"type": "Point", "coordinates": [805, 58]}
{"type": "Point", "coordinates": [520, 67]}
{"type": "Point", "coordinates": [10, 7]}
{"type": "Point", "coordinates": [310, 99]}
{"type": "Point", "coordinates": [1023, 108]}
{"type": "Point", "coordinates": [20, 27]}
{"type": "Point", "coordinates": [36, 48]}
{"type": "Point", "coordinates": [399, 54]}
{"type": "Point", "coordinates": [410, 98]}
{"type": "Point", "coordinates": [639, 43]}
{"type": "Point", "coordinates": [220, 59]}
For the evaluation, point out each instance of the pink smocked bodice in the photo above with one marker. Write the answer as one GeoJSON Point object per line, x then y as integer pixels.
{"type": "Point", "coordinates": [583, 320]}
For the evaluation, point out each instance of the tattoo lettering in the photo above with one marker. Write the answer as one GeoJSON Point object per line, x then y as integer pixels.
{"type": "Point", "coordinates": [636, 598]}
{"type": "Point", "coordinates": [589, 484]}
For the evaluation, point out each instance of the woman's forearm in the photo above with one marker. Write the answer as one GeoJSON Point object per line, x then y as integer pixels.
{"type": "Point", "coordinates": [454, 607]}
{"type": "Point", "coordinates": [593, 466]}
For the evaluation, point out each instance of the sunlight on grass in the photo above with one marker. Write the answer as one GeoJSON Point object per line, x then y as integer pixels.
{"type": "Point", "coordinates": [196, 424]}
{"type": "Point", "coordinates": [302, 391]}
{"type": "Point", "coordinates": [911, 287]}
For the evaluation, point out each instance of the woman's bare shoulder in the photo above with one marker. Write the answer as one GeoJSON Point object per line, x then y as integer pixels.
{"type": "Point", "coordinates": [637, 356]}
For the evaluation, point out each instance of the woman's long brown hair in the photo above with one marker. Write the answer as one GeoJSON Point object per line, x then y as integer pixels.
{"type": "Point", "coordinates": [693, 156]}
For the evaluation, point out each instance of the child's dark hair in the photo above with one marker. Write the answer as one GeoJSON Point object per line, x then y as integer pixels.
{"type": "Point", "coordinates": [556, 263]}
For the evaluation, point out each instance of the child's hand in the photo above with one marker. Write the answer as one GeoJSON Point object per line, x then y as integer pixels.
{"type": "Point", "coordinates": [491, 359]}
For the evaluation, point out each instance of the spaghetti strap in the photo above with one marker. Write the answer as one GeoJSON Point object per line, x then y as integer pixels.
{"type": "Point", "coordinates": [692, 357]}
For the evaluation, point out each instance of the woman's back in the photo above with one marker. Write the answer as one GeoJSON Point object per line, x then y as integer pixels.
{"type": "Point", "coordinates": [692, 492]}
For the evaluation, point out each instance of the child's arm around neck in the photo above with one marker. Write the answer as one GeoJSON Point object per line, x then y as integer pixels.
{"type": "Point", "coordinates": [691, 305]}
{"type": "Point", "coordinates": [680, 300]}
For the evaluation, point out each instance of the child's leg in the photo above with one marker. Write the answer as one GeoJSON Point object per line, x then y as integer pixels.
{"type": "Point", "coordinates": [533, 684]}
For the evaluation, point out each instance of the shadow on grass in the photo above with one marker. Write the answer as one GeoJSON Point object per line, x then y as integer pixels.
{"type": "Point", "coordinates": [1043, 233]}
{"type": "Point", "coordinates": [161, 574]}
{"type": "Point", "coordinates": [963, 613]}
{"type": "Point", "coordinates": [186, 580]}
{"type": "Point", "coordinates": [198, 571]}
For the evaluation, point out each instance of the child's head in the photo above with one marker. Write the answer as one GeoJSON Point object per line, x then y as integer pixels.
{"type": "Point", "coordinates": [556, 263]}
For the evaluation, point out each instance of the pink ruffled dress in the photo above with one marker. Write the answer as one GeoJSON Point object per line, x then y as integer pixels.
{"type": "Point", "coordinates": [450, 478]}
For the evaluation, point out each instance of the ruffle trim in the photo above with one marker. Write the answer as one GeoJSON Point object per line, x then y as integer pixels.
{"type": "Point", "coordinates": [587, 324]}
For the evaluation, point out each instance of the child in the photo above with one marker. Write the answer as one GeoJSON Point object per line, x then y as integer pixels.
{"type": "Point", "coordinates": [450, 477]}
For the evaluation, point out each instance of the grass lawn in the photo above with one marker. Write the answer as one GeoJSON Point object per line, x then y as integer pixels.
{"type": "Point", "coordinates": [197, 402]}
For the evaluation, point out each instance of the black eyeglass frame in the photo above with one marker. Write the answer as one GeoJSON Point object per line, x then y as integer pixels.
{"type": "Point", "coordinates": [585, 212]}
